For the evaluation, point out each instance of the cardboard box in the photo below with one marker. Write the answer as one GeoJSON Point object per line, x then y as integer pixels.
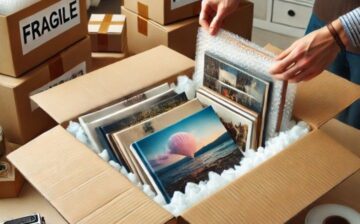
{"type": "Point", "coordinates": [28, 202]}
{"type": "Point", "coordinates": [144, 34]}
{"type": "Point", "coordinates": [11, 181]}
{"type": "Point", "coordinates": [348, 192]}
{"type": "Point", "coordinates": [22, 119]}
{"type": "Point", "coordinates": [164, 11]}
{"type": "Point", "coordinates": [32, 35]}
{"type": "Point", "coordinates": [107, 33]}
{"type": "Point", "coordinates": [100, 60]}
{"type": "Point", "coordinates": [85, 189]}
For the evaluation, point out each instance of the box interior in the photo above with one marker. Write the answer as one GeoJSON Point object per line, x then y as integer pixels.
{"type": "Point", "coordinates": [267, 186]}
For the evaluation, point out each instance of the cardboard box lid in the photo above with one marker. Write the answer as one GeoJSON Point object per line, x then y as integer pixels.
{"type": "Point", "coordinates": [282, 186]}
{"type": "Point", "coordinates": [81, 186]}
{"type": "Point", "coordinates": [113, 82]}
{"type": "Point", "coordinates": [322, 98]}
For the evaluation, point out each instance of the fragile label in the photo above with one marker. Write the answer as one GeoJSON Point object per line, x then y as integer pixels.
{"type": "Point", "coordinates": [73, 73]}
{"type": "Point", "coordinates": [48, 23]}
{"type": "Point", "coordinates": [180, 3]}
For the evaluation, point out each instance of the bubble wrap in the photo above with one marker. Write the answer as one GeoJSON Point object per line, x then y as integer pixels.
{"type": "Point", "coordinates": [253, 59]}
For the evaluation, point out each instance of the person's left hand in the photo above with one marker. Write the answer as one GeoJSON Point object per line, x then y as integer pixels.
{"type": "Point", "coordinates": [306, 57]}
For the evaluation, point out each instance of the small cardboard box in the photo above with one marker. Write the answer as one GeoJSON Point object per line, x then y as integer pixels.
{"type": "Point", "coordinates": [164, 11]}
{"type": "Point", "coordinates": [144, 34]}
{"type": "Point", "coordinates": [107, 33]}
{"type": "Point", "coordinates": [22, 119]}
{"type": "Point", "coordinates": [100, 60]}
{"type": "Point", "coordinates": [28, 202]}
{"type": "Point", "coordinates": [32, 35]}
{"type": "Point", "coordinates": [348, 192]}
{"type": "Point", "coordinates": [11, 181]}
{"type": "Point", "coordinates": [85, 189]}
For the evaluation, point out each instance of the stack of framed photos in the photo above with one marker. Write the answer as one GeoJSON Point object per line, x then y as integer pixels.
{"type": "Point", "coordinates": [168, 140]}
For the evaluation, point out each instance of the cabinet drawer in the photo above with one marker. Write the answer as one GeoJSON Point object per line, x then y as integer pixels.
{"type": "Point", "coordinates": [260, 9]}
{"type": "Point", "coordinates": [291, 14]}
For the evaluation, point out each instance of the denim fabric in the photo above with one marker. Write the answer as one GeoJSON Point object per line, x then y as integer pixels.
{"type": "Point", "coordinates": [346, 65]}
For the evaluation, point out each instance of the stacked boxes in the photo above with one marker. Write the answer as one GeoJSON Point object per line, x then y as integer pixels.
{"type": "Point", "coordinates": [175, 24]}
{"type": "Point", "coordinates": [47, 45]}
{"type": "Point", "coordinates": [108, 38]}
{"type": "Point", "coordinates": [42, 45]}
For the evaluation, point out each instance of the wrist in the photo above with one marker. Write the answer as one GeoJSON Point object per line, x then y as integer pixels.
{"type": "Point", "coordinates": [341, 32]}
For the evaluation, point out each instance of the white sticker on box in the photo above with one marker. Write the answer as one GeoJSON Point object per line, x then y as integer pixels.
{"type": "Point", "coordinates": [73, 73]}
{"type": "Point", "coordinates": [180, 3]}
{"type": "Point", "coordinates": [48, 23]}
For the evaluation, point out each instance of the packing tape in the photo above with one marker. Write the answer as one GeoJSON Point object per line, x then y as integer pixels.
{"type": "Point", "coordinates": [142, 25]}
{"type": "Point", "coordinates": [56, 68]}
{"type": "Point", "coordinates": [331, 214]}
{"type": "Point", "coordinates": [143, 10]}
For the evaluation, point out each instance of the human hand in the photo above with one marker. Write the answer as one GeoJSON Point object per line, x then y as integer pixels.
{"type": "Point", "coordinates": [213, 13]}
{"type": "Point", "coordinates": [308, 56]}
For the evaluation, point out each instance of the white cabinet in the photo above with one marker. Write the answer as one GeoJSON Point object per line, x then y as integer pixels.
{"type": "Point", "coordinates": [289, 17]}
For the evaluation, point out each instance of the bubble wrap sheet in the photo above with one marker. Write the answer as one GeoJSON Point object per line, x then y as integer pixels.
{"type": "Point", "coordinates": [8, 7]}
{"type": "Point", "coordinates": [252, 59]}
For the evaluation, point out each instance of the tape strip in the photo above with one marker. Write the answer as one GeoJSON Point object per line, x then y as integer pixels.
{"type": "Point", "coordinates": [104, 27]}
{"type": "Point", "coordinates": [142, 26]}
{"type": "Point", "coordinates": [56, 68]}
{"type": "Point", "coordinates": [143, 10]}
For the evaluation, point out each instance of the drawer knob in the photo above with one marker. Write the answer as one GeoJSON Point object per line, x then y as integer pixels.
{"type": "Point", "coordinates": [291, 13]}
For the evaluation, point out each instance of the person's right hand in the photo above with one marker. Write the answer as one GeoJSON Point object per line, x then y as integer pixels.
{"type": "Point", "coordinates": [213, 13]}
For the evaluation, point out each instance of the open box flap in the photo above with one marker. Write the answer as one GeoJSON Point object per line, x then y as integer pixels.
{"type": "Point", "coordinates": [102, 86]}
{"type": "Point", "coordinates": [322, 98]}
{"type": "Point", "coordinates": [69, 173]}
{"type": "Point", "coordinates": [282, 186]}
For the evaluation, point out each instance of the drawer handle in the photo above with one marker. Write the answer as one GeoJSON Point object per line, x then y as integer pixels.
{"type": "Point", "coordinates": [291, 13]}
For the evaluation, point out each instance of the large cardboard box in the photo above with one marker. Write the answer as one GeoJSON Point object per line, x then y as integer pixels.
{"type": "Point", "coordinates": [11, 181]}
{"type": "Point", "coordinates": [100, 60]}
{"type": "Point", "coordinates": [164, 11]}
{"type": "Point", "coordinates": [34, 34]}
{"type": "Point", "coordinates": [22, 119]}
{"type": "Point", "coordinates": [85, 189]}
{"type": "Point", "coordinates": [144, 34]}
{"type": "Point", "coordinates": [348, 192]}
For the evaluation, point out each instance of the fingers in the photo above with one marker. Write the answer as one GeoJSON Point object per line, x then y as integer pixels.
{"type": "Point", "coordinates": [204, 18]}
{"type": "Point", "coordinates": [283, 64]}
{"type": "Point", "coordinates": [293, 71]}
{"type": "Point", "coordinates": [217, 21]}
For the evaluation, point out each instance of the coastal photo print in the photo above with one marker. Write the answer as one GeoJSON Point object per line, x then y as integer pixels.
{"type": "Point", "coordinates": [186, 152]}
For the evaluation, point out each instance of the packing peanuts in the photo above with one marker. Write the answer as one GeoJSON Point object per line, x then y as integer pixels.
{"type": "Point", "coordinates": [144, 34]}
{"type": "Point", "coordinates": [164, 11]}
{"type": "Point", "coordinates": [22, 119]}
{"type": "Point", "coordinates": [93, 192]}
{"type": "Point", "coordinates": [107, 33]}
{"type": "Point", "coordinates": [32, 35]}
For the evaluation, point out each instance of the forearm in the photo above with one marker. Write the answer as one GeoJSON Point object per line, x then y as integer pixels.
{"type": "Point", "coordinates": [348, 27]}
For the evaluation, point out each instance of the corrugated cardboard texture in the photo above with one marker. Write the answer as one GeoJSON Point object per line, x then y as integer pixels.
{"type": "Point", "coordinates": [348, 192]}
{"type": "Point", "coordinates": [82, 187]}
{"type": "Point", "coordinates": [113, 82]}
{"type": "Point", "coordinates": [29, 201]}
{"type": "Point", "coordinates": [282, 186]}
{"type": "Point", "coordinates": [22, 63]}
{"type": "Point", "coordinates": [20, 121]}
{"type": "Point", "coordinates": [322, 98]}
{"type": "Point", "coordinates": [160, 10]}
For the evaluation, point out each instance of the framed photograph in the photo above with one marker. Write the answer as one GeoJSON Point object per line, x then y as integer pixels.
{"type": "Point", "coordinates": [238, 85]}
{"type": "Point", "coordinates": [123, 139]}
{"type": "Point", "coordinates": [240, 124]}
{"type": "Point", "coordinates": [91, 120]}
{"type": "Point", "coordinates": [186, 152]}
{"type": "Point", "coordinates": [134, 115]}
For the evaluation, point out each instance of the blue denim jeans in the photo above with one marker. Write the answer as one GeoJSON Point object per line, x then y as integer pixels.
{"type": "Point", "coordinates": [346, 65]}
